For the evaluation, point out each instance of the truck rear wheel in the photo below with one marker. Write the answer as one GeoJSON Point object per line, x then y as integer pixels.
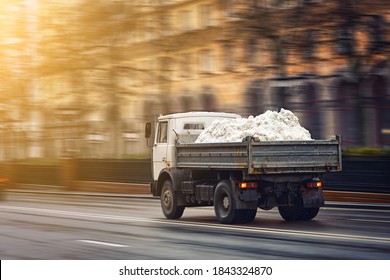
{"type": "Point", "coordinates": [290, 213]}
{"type": "Point", "coordinates": [246, 216]}
{"type": "Point", "coordinates": [294, 212]}
{"type": "Point", "coordinates": [224, 205]}
{"type": "Point", "coordinates": [169, 202]}
{"type": "Point", "coordinates": [310, 213]}
{"type": "Point", "coordinates": [298, 212]}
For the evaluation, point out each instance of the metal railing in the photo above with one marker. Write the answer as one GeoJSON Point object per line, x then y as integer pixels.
{"type": "Point", "coordinates": [360, 173]}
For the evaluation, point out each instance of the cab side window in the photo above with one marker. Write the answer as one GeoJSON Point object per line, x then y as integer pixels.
{"type": "Point", "coordinates": [162, 135]}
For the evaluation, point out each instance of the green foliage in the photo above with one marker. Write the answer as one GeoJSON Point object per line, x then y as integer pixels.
{"type": "Point", "coordinates": [366, 151]}
{"type": "Point", "coordinates": [39, 161]}
{"type": "Point", "coordinates": [137, 156]}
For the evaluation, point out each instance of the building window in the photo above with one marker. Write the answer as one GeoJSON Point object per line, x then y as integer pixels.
{"type": "Point", "coordinates": [164, 2]}
{"type": "Point", "coordinates": [376, 27]}
{"type": "Point", "coordinates": [228, 7]}
{"type": "Point", "coordinates": [206, 61]}
{"type": "Point", "coordinates": [186, 21]}
{"type": "Point", "coordinates": [187, 103]}
{"type": "Point", "coordinates": [150, 29]}
{"type": "Point", "coordinates": [148, 66]}
{"type": "Point", "coordinates": [186, 65]}
{"type": "Point", "coordinates": [209, 102]}
{"type": "Point", "coordinates": [313, 111]}
{"type": "Point", "coordinates": [205, 16]}
{"type": "Point", "coordinates": [382, 113]}
{"type": "Point", "coordinates": [229, 58]}
{"type": "Point", "coordinates": [348, 113]}
{"type": "Point", "coordinates": [251, 52]}
{"type": "Point", "coordinates": [165, 67]}
{"type": "Point", "coordinates": [309, 45]}
{"type": "Point", "coordinates": [254, 96]}
{"type": "Point", "coordinates": [345, 37]}
{"type": "Point", "coordinates": [166, 25]}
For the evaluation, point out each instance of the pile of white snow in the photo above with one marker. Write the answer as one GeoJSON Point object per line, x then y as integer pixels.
{"type": "Point", "coordinates": [270, 126]}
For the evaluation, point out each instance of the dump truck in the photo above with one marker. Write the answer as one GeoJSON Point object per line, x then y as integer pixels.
{"type": "Point", "coordinates": [236, 178]}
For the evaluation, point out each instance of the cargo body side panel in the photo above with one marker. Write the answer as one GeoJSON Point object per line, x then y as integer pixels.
{"type": "Point", "coordinates": [294, 157]}
{"type": "Point", "coordinates": [271, 157]}
{"type": "Point", "coordinates": [212, 156]}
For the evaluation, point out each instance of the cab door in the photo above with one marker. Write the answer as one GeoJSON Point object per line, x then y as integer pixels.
{"type": "Point", "coordinates": [160, 148]}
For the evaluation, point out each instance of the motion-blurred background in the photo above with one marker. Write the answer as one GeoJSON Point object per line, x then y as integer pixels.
{"type": "Point", "coordinates": [79, 78]}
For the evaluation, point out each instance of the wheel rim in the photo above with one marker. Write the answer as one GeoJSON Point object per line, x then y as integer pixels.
{"type": "Point", "coordinates": [167, 200]}
{"type": "Point", "coordinates": [224, 205]}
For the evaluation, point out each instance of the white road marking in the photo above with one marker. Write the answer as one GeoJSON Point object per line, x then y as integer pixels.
{"type": "Point", "coordinates": [247, 229]}
{"type": "Point", "coordinates": [102, 243]}
{"type": "Point", "coordinates": [370, 221]}
{"type": "Point", "coordinates": [329, 208]}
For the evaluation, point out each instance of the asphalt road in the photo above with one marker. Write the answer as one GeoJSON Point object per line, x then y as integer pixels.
{"type": "Point", "coordinates": [94, 227]}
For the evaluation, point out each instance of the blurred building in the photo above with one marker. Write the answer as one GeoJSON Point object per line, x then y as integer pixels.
{"type": "Point", "coordinates": [325, 60]}
{"type": "Point", "coordinates": [19, 85]}
{"type": "Point", "coordinates": [106, 67]}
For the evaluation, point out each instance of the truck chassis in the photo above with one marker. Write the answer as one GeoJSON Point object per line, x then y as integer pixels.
{"type": "Point", "coordinates": [238, 178]}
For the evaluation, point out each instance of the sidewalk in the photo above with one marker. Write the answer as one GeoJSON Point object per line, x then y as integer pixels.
{"type": "Point", "coordinates": [88, 188]}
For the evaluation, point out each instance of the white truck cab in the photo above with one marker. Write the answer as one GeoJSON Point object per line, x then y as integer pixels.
{"type": "Point", "coordinates": [184, 127]}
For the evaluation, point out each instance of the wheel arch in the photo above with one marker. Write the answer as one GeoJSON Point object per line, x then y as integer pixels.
{"type": "Point", "coordinates": [164, 175]}
{"type": "Point", "coordinates": [176, 176]}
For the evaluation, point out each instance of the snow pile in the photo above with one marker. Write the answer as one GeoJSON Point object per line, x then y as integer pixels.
{"type": "Point", "coordinates": [270, 126]}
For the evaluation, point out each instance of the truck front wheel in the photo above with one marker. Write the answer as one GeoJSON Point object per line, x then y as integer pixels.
{"type": "Point", "coordinates": [169, 202]}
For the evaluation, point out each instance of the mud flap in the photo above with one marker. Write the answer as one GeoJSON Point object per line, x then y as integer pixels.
{"type": "Point", "coordinates": [313, 198]}
{"type": "Point", "coordinates": [246, 199]}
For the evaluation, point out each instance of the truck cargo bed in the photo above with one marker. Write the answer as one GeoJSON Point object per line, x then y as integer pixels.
{"type": "Point", "coordinates": [267, 157]}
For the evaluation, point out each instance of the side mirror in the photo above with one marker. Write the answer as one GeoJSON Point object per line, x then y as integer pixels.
{"type": "Point", "coordinates": [148, 129]}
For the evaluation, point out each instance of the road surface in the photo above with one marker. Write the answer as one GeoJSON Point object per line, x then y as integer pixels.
{"type": "Point", "coordinates": [38, 226]}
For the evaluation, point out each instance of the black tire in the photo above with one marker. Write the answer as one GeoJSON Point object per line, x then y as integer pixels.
{"type": "Point", "coordinates": [298, 212]}
{"type": "Point", "coordinates": [169, 202]}
{"type": "Point", "coordinates": [289, 213]}
{"type": "Point", "coordinates": [246, 216]}
{"type": "Point", "coordinates": [310, 213]}
{"type": "Point", "coordinates": [292, 213]}
{"type": "Point", "coordinates": [224, 204]}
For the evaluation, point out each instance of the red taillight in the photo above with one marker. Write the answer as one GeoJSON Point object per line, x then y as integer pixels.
{"type": "Point", "coordinates": [314, 184]}
{"type": "Point", "coordinates": [248, 185]}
